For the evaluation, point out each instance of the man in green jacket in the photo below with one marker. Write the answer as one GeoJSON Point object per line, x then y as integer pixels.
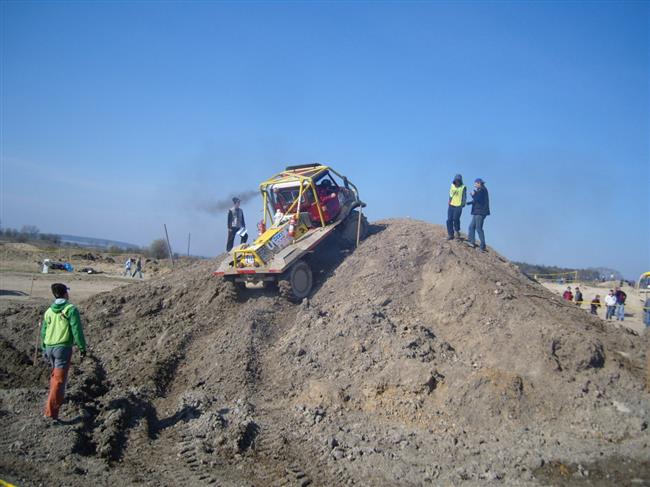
{"type": "Point", "coordinates": [61, 328]}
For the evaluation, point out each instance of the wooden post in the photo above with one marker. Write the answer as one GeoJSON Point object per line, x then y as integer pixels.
{"type": "Point", "coordinates": [169, 247]}
{"type": "Point", "coordinates": [359, 227]}
{"type": "Point", "coordinates": [31, 287]}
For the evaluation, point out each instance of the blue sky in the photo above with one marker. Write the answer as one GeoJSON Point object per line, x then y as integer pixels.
{"type": "Point", "coordinates": [118, 117]}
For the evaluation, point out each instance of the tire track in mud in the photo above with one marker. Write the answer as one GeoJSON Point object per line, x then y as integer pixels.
{"type": "Point", "coordinates": [284, 460]}
{"type": "Point", "coordinates": [281, 459]}
{"type": "Point", "coordinates": [275, 464]}
{"type": "Point", "coordinates": [181, 453]}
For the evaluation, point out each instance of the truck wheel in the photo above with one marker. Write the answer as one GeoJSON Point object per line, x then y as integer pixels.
{"type": "Point", "coordinates": [349, 229]}
{"type": "Point", "coordinates": [297, 282]}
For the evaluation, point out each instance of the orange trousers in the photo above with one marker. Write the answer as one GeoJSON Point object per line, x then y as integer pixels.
{"type": "Point", "coordinates": [57, 391]}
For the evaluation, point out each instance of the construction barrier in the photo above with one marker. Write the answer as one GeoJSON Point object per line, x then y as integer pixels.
{"type": "Point", "coordinates": [556, 275]}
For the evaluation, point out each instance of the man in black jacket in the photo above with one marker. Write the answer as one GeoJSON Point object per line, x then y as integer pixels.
{"type": "Point", "coordinates": [480, 209]}
{"type": "Point", "coordinates": [235, 224]}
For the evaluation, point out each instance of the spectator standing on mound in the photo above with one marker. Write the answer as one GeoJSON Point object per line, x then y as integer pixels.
{"type": "Point", "coordinates": [457, 200]}
{"type": "Point", "coordinates": [567, 295]}
{"type": "Point", "coordinates": [610, 303]}
{"type": "Point", "coordinates": [235, 224]}
{"type": "Point", "coordinates": [60, 330]}
{"type": "Point", "coordinates": [646, 312]}
{"type": "Point", "coordinates": [578, 297]}
{"type": "Point", "coordinates": [480, 210]}
{"type": "Point", "coordinates": [620, 304]}
{"type": "Point", "coordinates": [595, 304]}
{"type": "Point", "coordinates": [138, 268]}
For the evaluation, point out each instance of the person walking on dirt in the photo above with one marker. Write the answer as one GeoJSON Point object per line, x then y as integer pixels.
{"type": "Point", "coordinates": [567, 295]}
{"type": "Point", "coordinates": [620, 304]}
{"type": "Point", "coordinates": [138, 268]}
{"type": "Point", "coordinates": [235, 224]}
{"type": "Point", "coordinates": [457, 200]}
{"type": "Point", "coordinates": [595, 304]}
{"type": "Point", "coordinates": [578, 297]}
{"type": "Point", "coordinates": [61, 329]}
{"type": "Point", "coordinates": [480, 209]}
{"type": "Point", "coordinates": [610, 303]}
{"type": "Point", "coordinates": [127, 267]}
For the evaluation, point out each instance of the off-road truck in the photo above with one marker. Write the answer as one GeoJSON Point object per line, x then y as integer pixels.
{"type": "Point", "coordinates": [302, 206]}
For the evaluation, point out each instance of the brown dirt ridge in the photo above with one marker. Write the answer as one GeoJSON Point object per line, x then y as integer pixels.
{"type": "Point", "coordinates": [416, 361]}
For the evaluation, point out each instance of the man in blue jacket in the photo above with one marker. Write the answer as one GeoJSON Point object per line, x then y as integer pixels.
{"type": "Point", "coordinates": [480, 209]}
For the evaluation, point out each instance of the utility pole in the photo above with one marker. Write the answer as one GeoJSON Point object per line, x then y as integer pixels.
{"type": "Point", "coordinates": [189, 235]}
{"type": "Point", "coordinates": [169, 247]}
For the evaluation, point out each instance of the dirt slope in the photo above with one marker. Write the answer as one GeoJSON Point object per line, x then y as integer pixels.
{"type": "Point", "coordinates": [415, 361]}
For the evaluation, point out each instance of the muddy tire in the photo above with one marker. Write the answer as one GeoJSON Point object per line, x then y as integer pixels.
{"type": "Point", "coordinates": [348, 232]}
{"type": "Point", "coordinates": [297, 282]}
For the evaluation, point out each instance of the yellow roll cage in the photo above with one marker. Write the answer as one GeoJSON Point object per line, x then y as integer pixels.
{"type": "Point", "coordinates": [304, 177]}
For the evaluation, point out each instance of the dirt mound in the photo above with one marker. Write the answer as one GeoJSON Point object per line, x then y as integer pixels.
{"type": "Point", "coordinates": [415, 361]}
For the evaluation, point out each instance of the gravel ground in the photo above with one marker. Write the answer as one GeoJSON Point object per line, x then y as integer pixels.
{"type": "Point", "coordinates": [416, 361]}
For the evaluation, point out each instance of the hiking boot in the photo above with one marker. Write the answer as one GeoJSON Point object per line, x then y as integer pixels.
{"type": "Point", "coordinates": [450, 237]}
{"type": "Point", "coordinates": [471, 244]}
{"type": "Point", "coordinates": [458, 235]}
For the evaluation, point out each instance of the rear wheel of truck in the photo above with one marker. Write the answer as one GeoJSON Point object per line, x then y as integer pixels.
{"type": "Point", "coordinates": [297, 282]}
{"type": "Point", "coordinates": [348, 230]}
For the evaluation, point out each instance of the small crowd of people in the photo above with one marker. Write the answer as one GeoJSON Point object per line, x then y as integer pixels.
{"type": "Point", "coordinates": [614, 302]}
{"type": "Point", "coordinates": [136, 265]}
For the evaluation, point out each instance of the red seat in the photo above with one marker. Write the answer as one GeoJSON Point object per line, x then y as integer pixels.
{"type": "Point", "coordinates": [330, 206]}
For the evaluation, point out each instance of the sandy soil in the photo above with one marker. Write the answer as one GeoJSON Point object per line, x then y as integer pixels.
{"type": "Point", "coordinates": [20, 286]}
{"type": "Point", "coordinates": [21, 266]}
{"type": "Point", "coordinates": [416, 361]}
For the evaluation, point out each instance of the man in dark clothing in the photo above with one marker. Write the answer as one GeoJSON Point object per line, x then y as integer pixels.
{"type": "Point", "coordinates": [457, 200]}
{"type": "Point", "coordinates": [620, 304]}
{"type": "Point", "coordinates": [480, 209]}
{"type": "Point", "coordinates": [595, 304]}
{"type": "Point", "coordinates": [138, 268]}
{"type": "Point", "coordinates": [578, 296]}
{"type": "Point", "coordinates": [236, 224]}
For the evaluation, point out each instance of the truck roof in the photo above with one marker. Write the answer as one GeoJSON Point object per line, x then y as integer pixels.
{"type": "Point", "coordinates": [296, 174]}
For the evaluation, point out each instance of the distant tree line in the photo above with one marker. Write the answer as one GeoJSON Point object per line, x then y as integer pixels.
{"type": "Point", "coordinates": [28, 233]}
{"type": "Point", "coordinates": [156, 250]}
